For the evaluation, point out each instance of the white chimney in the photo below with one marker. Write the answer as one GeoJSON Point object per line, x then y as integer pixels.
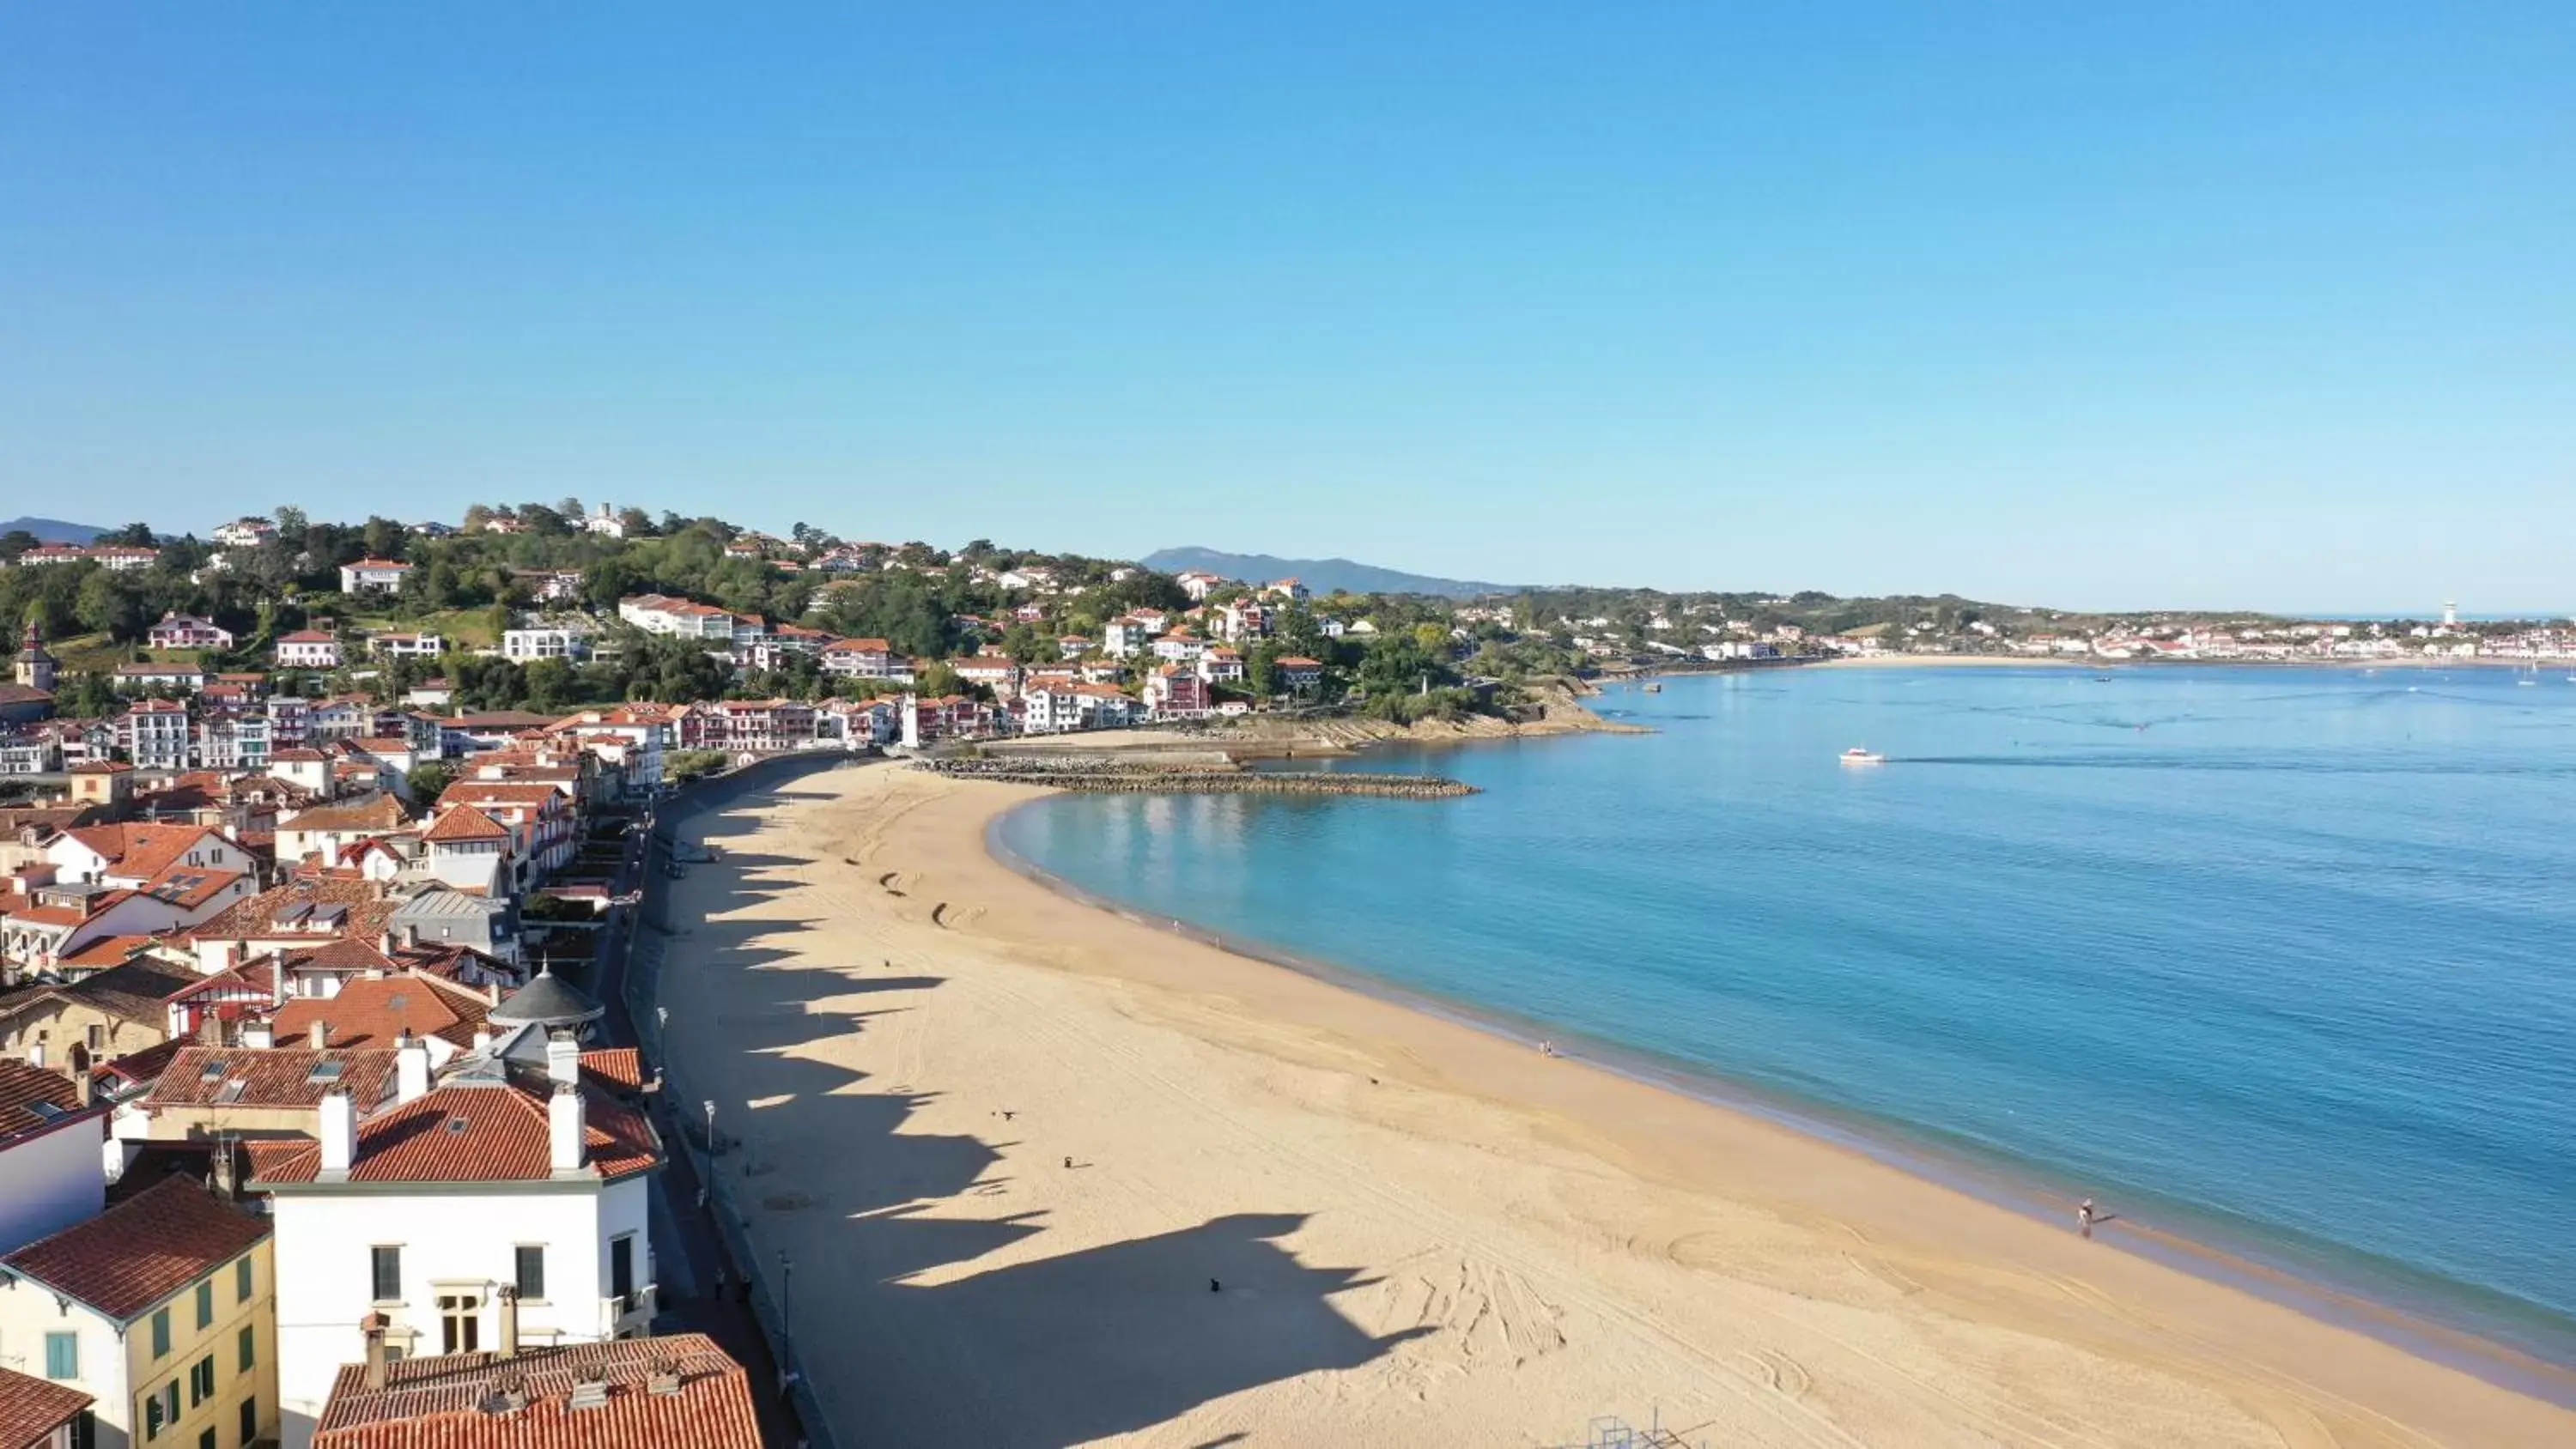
{"type": "Point", "coordinates": [564, 1129]}
{"type": "Point", "coordinates": [339, 1132]}
{"type": "Point", "coordinates": [563, 1058]}
{"type": "Point", "coordinates": [411, 1068]}
{"type": "Point", "coordinates": [318, 1035]}
{"type": "Point", "coordinates": [258, 1035]}
{"type": "Point", "coordinates": [482, 1039]}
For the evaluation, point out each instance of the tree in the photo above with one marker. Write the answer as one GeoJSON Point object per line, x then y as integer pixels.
{"type": "Point", "coordinates": [111, 604]}
{"type": "Point", "coordinates": [636, 522]}
{"type": "Point", "coordinates": [429, 781]}
{"type": "Point", "coordinates": [383, 538]}
{"type": "Point", "coordinates": [1026, 645]}
{"type": "Point", "coordinates": [17, 541]}
{"type": "Point", "coordinates": [477, 515]}
{"type": "Point", "coordinates": [292, 525]}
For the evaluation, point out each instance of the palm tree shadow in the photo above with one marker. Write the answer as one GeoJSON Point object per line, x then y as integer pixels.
{"type": "Point", "coordinates": [1109, 1340]}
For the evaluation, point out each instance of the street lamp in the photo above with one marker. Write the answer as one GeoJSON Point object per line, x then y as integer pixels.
{"type": "Point", "coordinates": [710, 1105]}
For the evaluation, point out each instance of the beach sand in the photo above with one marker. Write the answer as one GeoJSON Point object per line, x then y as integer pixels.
{"type": "Point", "coordinates": [1299, 1215]}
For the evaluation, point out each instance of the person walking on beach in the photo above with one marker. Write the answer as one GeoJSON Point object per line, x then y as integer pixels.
{"type": "Point", "coordinates": [2084, 1217]}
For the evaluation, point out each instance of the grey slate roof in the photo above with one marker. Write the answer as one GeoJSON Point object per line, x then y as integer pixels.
{"type": "Point", "coordinates": [546, 1001]}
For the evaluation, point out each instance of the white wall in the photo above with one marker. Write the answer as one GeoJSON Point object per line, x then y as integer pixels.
{"type": "Point", "coordinates": [50, 1182]}
{"type": "Point", "coordinates": [324, 1275]}
{"type": "Point", "coordinates": [28, 1312]}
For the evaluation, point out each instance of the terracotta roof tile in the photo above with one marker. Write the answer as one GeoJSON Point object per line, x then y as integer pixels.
{"type": "Point", "coordinates": [23, 1089]}
{"type": "Point", "coordinates": [615, 1066]}
{"type": "Point", "coordinates": [464, 822]}
{"type": "Point", "coordinates": [372, 1011]}
{"type": "Point", "coordinates": [141, 1251]}
{"type": "Point", "coordinates": [32, 1408]}
{"type": "Point", "coordinates": [482, 1133]}
{"type": "Point", "coordinates": [203, 1076]}
{"type": "Point", "coordinates": [440, 1402]}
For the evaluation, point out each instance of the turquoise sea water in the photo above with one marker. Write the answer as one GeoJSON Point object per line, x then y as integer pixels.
{"type": "Point", "coordinates": [2280, 960]}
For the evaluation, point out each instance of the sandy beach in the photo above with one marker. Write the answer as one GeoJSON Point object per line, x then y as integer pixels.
{"type": "Point", "coordinates": [1050, 1176]}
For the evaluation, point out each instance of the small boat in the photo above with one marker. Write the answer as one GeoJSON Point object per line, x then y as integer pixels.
{"type": "Point", "coordinates": [1858, 756]}
{"type": "Point", "coordinates": [1654, 689]}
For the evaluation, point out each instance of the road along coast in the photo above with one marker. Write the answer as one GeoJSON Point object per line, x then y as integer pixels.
{"type": "Point", "coordinates": [1047, 1175]}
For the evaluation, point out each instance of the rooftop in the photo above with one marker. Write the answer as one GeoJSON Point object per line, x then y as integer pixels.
{"type": "Point", "coordinates": [291, 1077]}
{"type": "Point", "coordinates": [483, 1401]}
{"type": "Point", "coordinates": [373, 1010]}
{"type": "Point", "coordinates": [31, 1408]}
{"type": "Point", "coordinates": [548, 1000]}
{"type": "Point", "coordinates": [485, 1124]}
{"type": "Point", "coordinates": [134, 1255]}
{"type": "Point", "coordinates": [32, 1097]}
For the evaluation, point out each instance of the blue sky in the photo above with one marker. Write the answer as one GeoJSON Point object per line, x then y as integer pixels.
{"type": "Point", "coordinates": [2217, 305]}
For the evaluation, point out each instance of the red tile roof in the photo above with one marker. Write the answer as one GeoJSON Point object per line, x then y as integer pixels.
{"type": "Point", "coordinates": [373, 1010]}
{"type": "Point", "coordinates": [464, 822]}
{"type": "Point", "coordinates": [105, 951]}
{"type": "Point", "coordinates": [32, 1408]}
{"type": "Point", "coordinates": [615, 1066]}
{"type": "Point", "coordinates": [483, 1133]}
{"type": "Point", "coordinates": [141, 851]}
{"type": "Point", "coordinates": [22, 1089]}
{"type": "Point", "coordinates": [202, 1076]}
{"type": "Point", "coordinates": [451, 1402]}
{"type": "Point", "coordinates": [141, 1251]}
{"type": "Point", "coordinates": [138, 1068]}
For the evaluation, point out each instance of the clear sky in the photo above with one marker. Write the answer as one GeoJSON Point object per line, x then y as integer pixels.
{"type": "Point", "coordinates": [2268, 305]}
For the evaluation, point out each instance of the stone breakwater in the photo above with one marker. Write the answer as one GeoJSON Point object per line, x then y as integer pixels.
{"type": "Point", "coordinates": [1146, 778]}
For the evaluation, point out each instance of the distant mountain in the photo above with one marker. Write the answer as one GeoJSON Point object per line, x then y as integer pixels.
{"type": "Point", "coordinates": [1323, 575]}
{"type": "Point", "coordinates": [53, 530]}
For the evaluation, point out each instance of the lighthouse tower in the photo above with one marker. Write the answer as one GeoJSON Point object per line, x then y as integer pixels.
{"type": "Point", "coordinates": [2450, 614]}
{"type": "Point", "coordinates": [35, 668]}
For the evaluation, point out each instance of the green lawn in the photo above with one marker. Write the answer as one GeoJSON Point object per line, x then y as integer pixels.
{"type": "Point", "coordinates": [467, 627]}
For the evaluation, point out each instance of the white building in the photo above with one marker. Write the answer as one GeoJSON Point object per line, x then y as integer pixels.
{"type": "Point", "coordinates": [496, 1179]}
{"type": "Point", "coordinates": [864, 659]}
{"type": "Point", "coordinates": [160, 1309]}
{"type": "Point", "coordinates": [51, 1171]}
{"type": "Point", "coordinates": [154, 734]}
{"type": "Point", "coordinates": [407, 646]}
{"type": "Point", "coordinates": [679, 618]}
{"type": "Point", "coordinates": [246, 533]}
{"type": "Point", "coordinates": [379, 574]}
{"type": "Point", "coordinates": [554, 641]}
{"type": "Point", "coordinates": [308, 649]}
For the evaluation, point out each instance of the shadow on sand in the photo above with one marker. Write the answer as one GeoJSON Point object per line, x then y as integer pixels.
{"type": "Point", "coordinates": [908, 1341]}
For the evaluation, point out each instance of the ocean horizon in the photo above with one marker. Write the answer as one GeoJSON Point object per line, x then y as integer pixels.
{"type": "Point", "coordinates": [2270, 961]}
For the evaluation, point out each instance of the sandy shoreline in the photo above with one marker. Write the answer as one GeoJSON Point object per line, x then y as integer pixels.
{"type": "Point", "coordinates": [1419, 1232]}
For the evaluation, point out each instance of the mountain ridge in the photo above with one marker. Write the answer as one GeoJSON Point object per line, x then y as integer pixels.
{"type": "Point", "coordinates": [1322, 575]}
{"type": "Point", "coordinates": [52, 530]}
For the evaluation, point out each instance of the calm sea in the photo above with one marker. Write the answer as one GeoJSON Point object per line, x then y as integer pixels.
{"type": "Point", "coordinates": [2281, 960]}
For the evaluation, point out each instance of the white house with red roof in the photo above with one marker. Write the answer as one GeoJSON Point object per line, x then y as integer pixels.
{"type": "Point", "coordinates": [493, 1207]}
{"type": "Point", "coordinates": [373, 575]}
{"type": "Point", "coordinates": [187, 631]}
{"type": "Point", "coordinates": [1199, 583]}
{"type": "Point", "coordinates": [1173, 692]}
{"type": "Point", "coordinates": [863, 659]}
